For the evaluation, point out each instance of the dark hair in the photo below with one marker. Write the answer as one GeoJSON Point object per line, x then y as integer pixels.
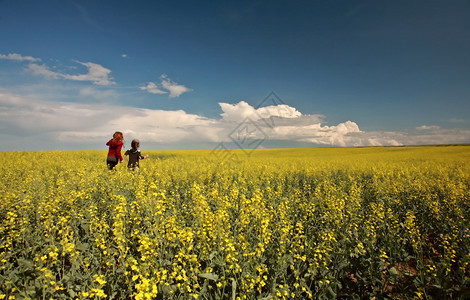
{"type": "Point", "coordinates": [135, 143]}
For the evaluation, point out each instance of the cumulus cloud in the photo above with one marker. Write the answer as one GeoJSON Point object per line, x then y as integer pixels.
{"type": "Point", "coordinates": [96, 73]}
{"type": "Point", "coordinates": [241, 110]}
{"type": "Point", "coordinates": [73, 123]}
{"type": "Point", "coordinates": [18, 57]}
{"type": "Point", "coordinates": [152, 88]}
{"type": "Point", "coordinates": [31, 122]}
{"type": "Point", "coordinates": [30, 115]}
{"type": "Point", "coordinates": [238, 112]}
{"type": "Point", "coordinates": [317, 134]}
{"type": "Point", "coordinates": [43, 70]}
{"type": "Point", "coordinates": [164, 126]}
{"type": "Point", "coordinates": [285, 123]}
{"type": "Point", "coordinates": [174, 89]}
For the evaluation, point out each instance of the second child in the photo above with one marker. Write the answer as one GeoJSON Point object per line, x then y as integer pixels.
{"type": "Point", "coordinates": [134, 155]}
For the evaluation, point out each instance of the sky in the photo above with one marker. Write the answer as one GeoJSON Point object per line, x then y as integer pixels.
{"type": "Point", "coordinates": [233, 74]}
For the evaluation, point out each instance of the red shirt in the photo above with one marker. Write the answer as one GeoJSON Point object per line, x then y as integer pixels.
{"type": "Point", "coordinates": [115, 149]}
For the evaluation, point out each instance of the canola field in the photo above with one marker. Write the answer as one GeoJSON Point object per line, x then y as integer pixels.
{"type": "Point", "coordinates": [345, 223]}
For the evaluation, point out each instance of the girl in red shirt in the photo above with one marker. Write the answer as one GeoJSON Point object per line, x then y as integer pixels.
{"type": "Point", "coordinates": [114, 154]}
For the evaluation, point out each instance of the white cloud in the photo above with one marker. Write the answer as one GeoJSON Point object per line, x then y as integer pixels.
{"type": "Point", "coordinates": [241, 110]}
{"type": "Point", "coordinates": [32, 123]}
{"type": "Point", "coordinates": [174, 88]}
{"type": "Point", "coordinates": [426, 127]}
{"type": "Point", "coordinates": [376, 138]}
{"type": "Point", "coordinates": [31, 115]}
{"type": "Point", "coordinates": [281, 111]}
{"type": "Point", "coordinates": [152, 88]}
{"type": "Point", "coordinates": [317, 134]}
{"type": "Point", "coordinates": [18, 57]}
{"type": "Point", "coordinates": [97, 74]}
{"type": "Point", "coordinates": [73, 123]}
{"type": "Point", "coordinates": [43, 70]}
{"type": "Point", "coordinates": [238, 112]}
{"type": "Point", "coordinates": [124, 56]}
{"type": "Point", "coordinates": [167, 126]}
{"type": "Point", "coordinates": [285, 123]}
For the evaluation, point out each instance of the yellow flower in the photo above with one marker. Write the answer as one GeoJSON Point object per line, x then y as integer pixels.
{"type": "Point", "coordinates": [100, 279]}
{"type": "Point", "coordinates": [99, 293]}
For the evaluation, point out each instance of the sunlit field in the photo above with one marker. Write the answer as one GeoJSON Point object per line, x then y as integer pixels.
{"type": "Point", "coordinates": [349, 223]}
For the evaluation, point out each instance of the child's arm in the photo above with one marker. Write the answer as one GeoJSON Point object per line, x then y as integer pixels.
{"type": "Point", "coordinates": [125, 155]}
{"type": "Point", "coordinates": [143, 157]}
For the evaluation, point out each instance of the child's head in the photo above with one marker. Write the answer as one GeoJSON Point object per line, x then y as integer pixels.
{"type": "Point", "coordinates": [135, 143]}
{"type": "Point", "coordinates": [117, 136]}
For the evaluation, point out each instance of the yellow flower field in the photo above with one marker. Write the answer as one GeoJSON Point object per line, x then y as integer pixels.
{"type": "Point", "coordinates": [347, 223]}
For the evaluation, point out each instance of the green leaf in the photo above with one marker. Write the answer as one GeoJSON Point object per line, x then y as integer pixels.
{"type": "Point", "coordinates": [72, 293]}
{"type": "Point", "coordinates": [212, 255]}
{"type": "Point", "coordinates": [30, 290]}
{"type": "Point", "coordinates": [25, 264]}
{"type": "Point", "coordinates": [330, 290]}
{"type": "Point", "coordinates": [209, 276]}
{"type": "Point", "coordinates": [234, 289]}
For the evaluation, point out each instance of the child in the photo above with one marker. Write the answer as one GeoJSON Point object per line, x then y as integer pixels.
{"type": "Point", "coordinates": [134, 155]}
{"type": "Point", "coordinates": [114, 154]}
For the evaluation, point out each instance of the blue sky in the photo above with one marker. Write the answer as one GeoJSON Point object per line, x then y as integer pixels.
{"type": "Point", "coordinates": [233, 74]}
